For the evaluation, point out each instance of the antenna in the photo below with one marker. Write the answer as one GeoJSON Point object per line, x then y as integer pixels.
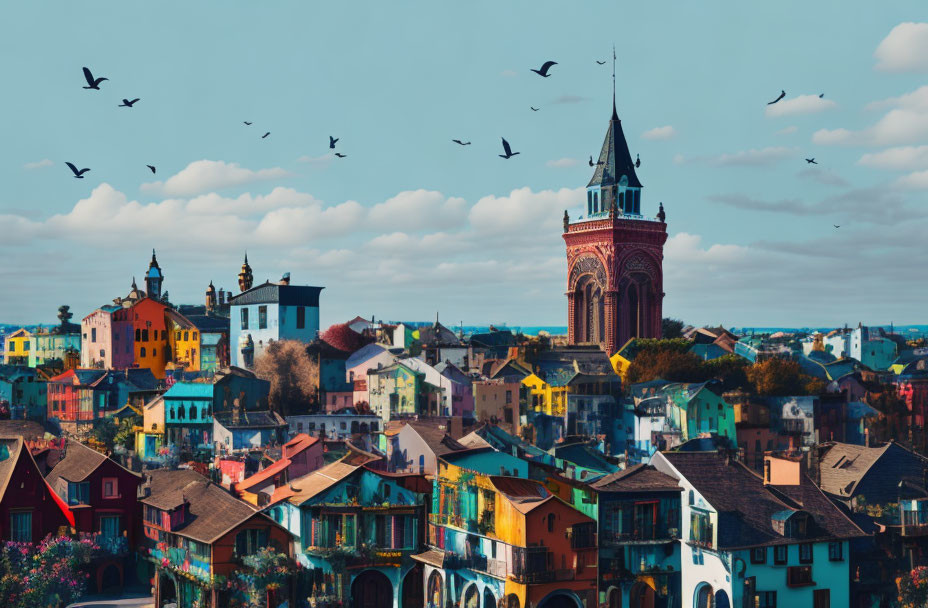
{"type": "Point", "coordinates": [615, 115]}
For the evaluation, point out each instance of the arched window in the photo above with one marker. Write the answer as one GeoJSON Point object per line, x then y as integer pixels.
{"type": "Point", "coordinates": [138, 335]}
{"type": "Point", "coordinates": [193, 412]}
{"type": "Point", "coordinates": [622, 201]}
{"type": "Point", "coordinates": [589, 202]}
{"type": "Point", "coordinates": [692, 498]}
{"type": "Point", "coordinates": [181, 412]}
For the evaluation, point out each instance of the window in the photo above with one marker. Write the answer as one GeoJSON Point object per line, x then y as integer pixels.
{"type": "Point", "coordinates": [799, 576]}
{"type": "Point", "coordinates": [193, 336]}
{"type": "Point", "coordinates": [821, 598]}
{"type": "Point", "coordinates": [342, 426]}
{"type": "Point", "coordinates": [780, 554]}
{"type": "Point", "coordinates": [138, 335]}
{"type": "Point", "coordinates": [244, 318]}
{"type": "Point", "coordinates": [759, 555]}
{"type": "Point", "coordinates": [766, 599]}
{"type": "Point", "coordinates": [550, 522]}
{"type": "Point", "coordinates": [79, 493]}
{"type": "Point", "coordinates": [110, 487]}
{"type": "Point", "coordinates": [177, 335]}
{"type": "Point", "coordinates": [508, 397]}
{"type": "Point", "coordinates": [262, 317]}
{"type": "Point", "coordinates": [109, 526]}
{"type": "Point", "coordinates": [93, 334]}
{"type": "Point", "coordinates": [835, 552]}
{"type": "Point", "coordinates": [700, 529]}
{"type": "Point", "coordinates": [300, 317]}
{"type": "Point", "coordinates": [805, 553]}
{"type": "Point", "coordinates": [144, 335]}
{"type": "Point", "coordinates": [299, 427]}
{"type": "Point", "coordinates": [249, 541]}
{"type": "Point", "coordinates": [21, 527]}
{"type": "Point", "coordinates": [186, 336]}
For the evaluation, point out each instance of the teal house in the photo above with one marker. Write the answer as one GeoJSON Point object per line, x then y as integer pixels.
{"type": "Point", "coordinates": [188, 417]}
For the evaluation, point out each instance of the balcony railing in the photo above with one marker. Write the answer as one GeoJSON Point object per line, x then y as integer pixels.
{"type": "Point", "coordinates": [914, 523]}
{"type": "Point", "coordinates": [110, 546]}
{"type": "Point", "coordinates": [544, 576]}
{"type": "Point", "coordinates": [659, 534]}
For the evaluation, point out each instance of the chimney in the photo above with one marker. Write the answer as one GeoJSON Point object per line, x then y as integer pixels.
{"type": "Point", "coordinates": [781, 471]}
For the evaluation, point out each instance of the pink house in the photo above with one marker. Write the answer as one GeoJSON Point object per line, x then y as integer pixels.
{"type": "Point", "coordinates": [368, 358]}
{"type": "Point", "coordinates": [107, 339]}
{"type": "Point", "coordinates": [299, 456]}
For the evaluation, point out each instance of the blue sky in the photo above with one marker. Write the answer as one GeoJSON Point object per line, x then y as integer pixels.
{"type": "Point", "coordinates": [410, 223]}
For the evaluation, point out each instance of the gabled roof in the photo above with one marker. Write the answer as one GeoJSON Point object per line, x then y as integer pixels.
{"type": "Point", "coordinates": [15, 449]}
{"type": "Point", "coordinates": [435, 435]}
{"type": "Point", "coordinates": [78, 463]}
{"type": "Point", "coordinates": [523, 494]}
{"type": "Point", "coordinates": [438, 334]}
{"type": "Point", "coordinates": [638, 478]}
{"type": "Point", "coordinates": [746, 505]}
{"type": "Point", "coordinates": [844, 466]}
{"type": "Point", "coordinates": [614, 159]}
{"type": "Point", "coordinates": [363, 354]}
{"type": "Point", "coordinates": [306, 487]}
{"type": "Point", "coordinates": [285, 295]}
{"type": "Point", "coordinates": [250, 419]}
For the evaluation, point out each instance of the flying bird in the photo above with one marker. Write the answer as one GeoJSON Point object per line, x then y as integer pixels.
{"type": "Point", "coordinates": [811, 161]}
{"type": "Point", "coordinates": [820, 95]}
{"type": "Point", "coordinates": [509, 153]}
{"type": "Point", "coordinates": [836, 226]}
{"type": "Point", "coordinates": [94, 83]}
{"type": "Point", "coordinates": [77, 174]}
{"type": "Point", "coordinates": [332, 142]}
{"type": "Point", "coordinates": [591, 160]}
{"type": "Point", "coordinates": [265, 135]}
{"type": "Point", "coordinates": [600, 62]}
{"type": "Point", "coordinates": [534, 109]}
{"type": "Point", "coordinates": [128, 104]}
{"type": "Point", "coordinates": [592, 164]}
{"type": "Point", "coordinates": [782, 95]}
{"type": "Point", "coordinates": [637, 161]}
{"type": "Point", "coordinates": [461, 143]}
{"type": "Point", "coordinates": [543, 72]}
{"type": "Point", "coordinates": [246, 122]}
{"type": "Point", "coordinates": [152, 167]}
{"type": "Point", "coordinates": [340, 155]}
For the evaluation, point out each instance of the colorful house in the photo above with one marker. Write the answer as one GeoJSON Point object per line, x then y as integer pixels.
{"type": "Point", "coordinates": [752, 540]}
{"type": "Point", "coordinates": [299, 456]}
{"type": "Point", "coordinates": [505, 541]}
{"type": "Point", "coordinates": [194, 533]}
{"type": "Point", "coordinates": [243, 431]}
{"type": "Point", "coordinates": [184, 341]}
{"type": "Point", "coordinates": [61, 343]}
{"type": "Point", "coordinates": [356, 532]}
{"type": "Point", "coordinates": [152, 348]}
{"type": "Point", "coordinates": [23, 389]}
{"type": "Point", "coordinates": [18, 348]}
{"type": "Point", "coordinates": [188, 418]}
{"type": "Point", "coordinates": [639, 530]}
{"type": "Point", "coordinates": [697, 409]}
{"type": "Point", "coordinates": [29, 509]}
{"type": "Point", "coordinates": [214, 341]}
{"type": "Point", "coordinates": [107, 338]}
{"type": "Point", "coordinates": [363, 361]}
{"type": "Point", "coordinates": [396, 391]}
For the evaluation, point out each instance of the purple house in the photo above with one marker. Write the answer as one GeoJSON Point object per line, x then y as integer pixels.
{"type": "Point", "coordinates": [462, 390]}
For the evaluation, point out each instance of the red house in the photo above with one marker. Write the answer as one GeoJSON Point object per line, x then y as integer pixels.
{"type": "Point", "coordinates": [29, 510]}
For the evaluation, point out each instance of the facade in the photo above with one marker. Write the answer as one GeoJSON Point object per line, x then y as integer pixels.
{"type": "Point", "coordinates": [107, 338]}
{"type": "Point", "coordinates": [29, 510]}
{"type": "Point", "coordinates": [418, 445]}
{"type": "Point", "coordinates": [184, 341]}
{"type": "Point", "coordinates": [614, 255]}
{"type": "Point", "coordinates": [763, 541]}
{"type": "Point", "coordinates": [272, 311]}
{"type": "Point", "coordinates": [499, 402]}
{"type": "Point", "coordinates": [338, 425]}
{"type": "Point", "coordinates": [152, 349]}
{"type": "Point", "coordinates": [243, 431]}
{"type": "Point", "coordinates": [363, 361]}
{"type": "Point", "coordinates": [18, 348]}
{"type": "Point", "coordinates": [24, 392]}
{"type": "Point", "coordinates": [398, 391]}
{"type": "Point", "coordinates": [188, 418]}
{"type": "Point", "coordinates": [61, 343]}
{"type": "Point", "coordinates": [299, 456]}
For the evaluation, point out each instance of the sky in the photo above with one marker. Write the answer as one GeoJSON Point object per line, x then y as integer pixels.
{"type": "Point", "coordinates": [408, 223]}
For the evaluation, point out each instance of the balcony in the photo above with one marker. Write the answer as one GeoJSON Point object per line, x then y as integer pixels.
{"type": "Point", "coordinates": [110, 546]}
{"type": "Point", "coordinates": [544, 576]}
{"type": "Point", "coordinates": [792, 426]}
{"type": "Point", "coordinates": [914, 523]}
{"type": "Point", "coordinates": [654, 536]}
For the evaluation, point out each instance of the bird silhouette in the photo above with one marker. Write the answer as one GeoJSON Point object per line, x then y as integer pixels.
{"type": "Point", "coordinates": [93, 83]}
{"type": "Point", "coordinates": [462, 143]}
{"type": "Point", "coordinates": [152, 167]}
{"type": "Point", "coordinates": [509, 153]}
{"type": "Point", "coordinates": [836, 226]}
{"type": "Point", "coordinates": [77, 174]}
{"type": "Point", "coordinates": [332, 142]}
{"type": "Point", "coordinates": [782, 95]}
{"type": "Point", "coordinates": [246, 122]}
{"type": "Point", "coordinates": [534, 109]}
{"type": "Point", "coordinates": [637, 161]}
{"type": "Point", "coordinates": [543, 72]}
{"type": "Point", "coordinates": [811, 161]}
{"type": "Point", "coordinates": [340, 155]}
{"type": "Point", "coordinates": [591, 160]}
{"type": "Point", "coordinates": [128, 104]}
{"type": "Point", "coordinates": [265, 135]}
{"type": "Point", "coordinates": [820, 95]}
{"type": "Point", "coordinates": [600, 62]}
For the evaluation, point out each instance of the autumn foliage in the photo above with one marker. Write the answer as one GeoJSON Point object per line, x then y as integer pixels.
{"type": "Point", "coordinates": [293, 375]}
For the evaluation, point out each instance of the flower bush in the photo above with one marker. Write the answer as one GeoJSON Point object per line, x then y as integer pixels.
{"type": "Point", "coordinates": [913, 588]}
{"type": "Point", "coordinates": [265, 571]}
{"type": "Point", "coordinates": [45, 574]}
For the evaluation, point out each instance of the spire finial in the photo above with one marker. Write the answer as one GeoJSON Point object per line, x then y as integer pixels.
{"type": "Point", "coordinates": [615, 115]}
{"type": "Point", "coordinates": [246, 256]}
{"type": "Point", "coordinates": [153, 258]}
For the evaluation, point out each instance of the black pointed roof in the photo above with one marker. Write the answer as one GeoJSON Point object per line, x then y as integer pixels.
{"type": "Point", "coordinates": [614, 160]}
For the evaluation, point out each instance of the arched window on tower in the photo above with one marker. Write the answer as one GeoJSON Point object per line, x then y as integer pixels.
{"type": "Point", "coordinates": [595, 202]}
{"type": "Point", "coordinates": [589, 202]}
{"type": "Point", "coordinates": [622, 202]}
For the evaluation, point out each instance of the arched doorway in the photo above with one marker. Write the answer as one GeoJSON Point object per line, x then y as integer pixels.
{"type": "Point", "coordinates": [558, 600]}
{"type": "Point", "coordinates": [721, 599]}
{"type": "Point", "coordinates": [371, 589]}
{"type": "Point", "coordinates": [436, 591]}
{"type": "Point", "coordinates": [412, 588]}
{"type": "Point", "coordinates": [110, 578]}
{"type": "Point", "coordinates": [489, 601]}
{"type": "Point", "coordinates": [614, 597]}
{"type": "Point", "coordinates": [471, 597]}
{"type": "Point", "coordinates": [512, 601]}
{"type": "Point", "coordinates": [704, 598]}
{"type": "Point", "coordinates": [167, 590]}
{"type": "Point", "coordinates": [641, 596]}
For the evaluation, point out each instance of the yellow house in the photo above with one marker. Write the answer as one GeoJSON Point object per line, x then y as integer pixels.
{"type": "Point", "coordinates": [184, 338]}
{"type": "Point", "coordinates": [546, 397]}
{"type": "Point", "coordinates": [623, 358]}
{"type": "Point", "coordinates": [18, 345]}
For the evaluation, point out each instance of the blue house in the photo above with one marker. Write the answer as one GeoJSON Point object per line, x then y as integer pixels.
{"type": "Point", "coordinates": [356, 530]}
{"type": "Point", "coordinates": [188, 417]}
{"type": "Point", "coordinates": [272, 311]}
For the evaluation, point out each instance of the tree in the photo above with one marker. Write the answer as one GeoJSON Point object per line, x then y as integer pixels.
{"type": "Point", "coordinates": [668, 364]}
{"type": "Point", "coordinates": [293, 375]}
{"type": "Point", "coordinates": [730, 370]}
{"type": "Point", "coordinates": [778, 377]}
{"type": "Point", "coordinates": [671, 328]}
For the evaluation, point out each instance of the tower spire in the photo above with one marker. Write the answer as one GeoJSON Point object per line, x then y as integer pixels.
{"type": "Point", "coordinates": [615, 115]}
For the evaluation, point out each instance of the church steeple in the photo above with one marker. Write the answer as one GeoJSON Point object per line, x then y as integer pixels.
{"type": "Point", "coordinates": [245, 278]}
{"type": "Point", "coordinates": [154, 278]}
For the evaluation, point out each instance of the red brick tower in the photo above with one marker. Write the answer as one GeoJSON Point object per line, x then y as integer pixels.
{"type": "Point", "coordinates": [615, 276]}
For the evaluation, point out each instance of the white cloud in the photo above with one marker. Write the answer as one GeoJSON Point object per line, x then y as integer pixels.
{"type": "Point", "coordinates": [916, 100]}
{"type": "Point", "coordinates": [203, 175]}
{"type": "Point", "coordinates": [904, 158]}
{"type": "Point", "coordinates": [659, 133]}
{"type": "Point", "coordinates": [788, 130]}
{"type": "Point", "coordinates": [39, 164]}
{"type": "Point", "coordinates": [905, 123]}
{"type": "Point", "coordinates": [905, 49]}
{"type": "Point", "coordinates": [802, 104]}
{"type": "Point", "coordinates": [744, 158]}
{"type": "Point", "coordinates": [523, 210]}
{"type": "Point", "coordinates": [562, 163]}
{"type": "Point", "coordinates": [914, 181]}
{"type": "Point", "coordinates": [417, 210]}
{"type": "Point", "coordinates": [317, 161]}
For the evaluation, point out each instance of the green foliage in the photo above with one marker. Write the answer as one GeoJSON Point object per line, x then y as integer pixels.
{"type": "Point", "coordinates": [671, 328]}
{"type": "Point", "coordinates": [778, 377]}
{"type": "Point", "coordinates": [111, 432]}
{"type": "Point", "coordinates": [669, 364]}
{"type": "Point", "coordinates": [45, 574]}
{"type": "Point", "coordinates": [263, 572]}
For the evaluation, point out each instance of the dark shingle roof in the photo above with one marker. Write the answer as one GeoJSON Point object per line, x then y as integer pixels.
{"type": "Point", "coordinates": [639, 478]}
{"type": "Point", "coordinates": [435, 435]}
{"type": "Point", "coordinates": [247, 420]}
{"type": "Point", "coordinates": [844, 466]}
{"type": "Point", "coordinates": [614, 159]}
{"type": "Point", "coordinates": [77, 463]}
{"type": "Point", "coordinates": [285, 295]}
{"type": "Point", "coordinates": [746, 506]}
{"type": "Point", "coordinates": [213, 511]}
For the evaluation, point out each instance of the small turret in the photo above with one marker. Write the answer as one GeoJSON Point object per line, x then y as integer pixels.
{"type": "Point", "coordinates": [154, 278]}
{"type": "Point", "coordinates": [245, 277]}
{"type": "Point", "coordinates": [210, 298]}
{"type": "Point", "coordinates": [661, 215]}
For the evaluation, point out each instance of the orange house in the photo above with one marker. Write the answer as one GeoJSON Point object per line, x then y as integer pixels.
{"type": "Point", "coordinates": [152, 346]}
